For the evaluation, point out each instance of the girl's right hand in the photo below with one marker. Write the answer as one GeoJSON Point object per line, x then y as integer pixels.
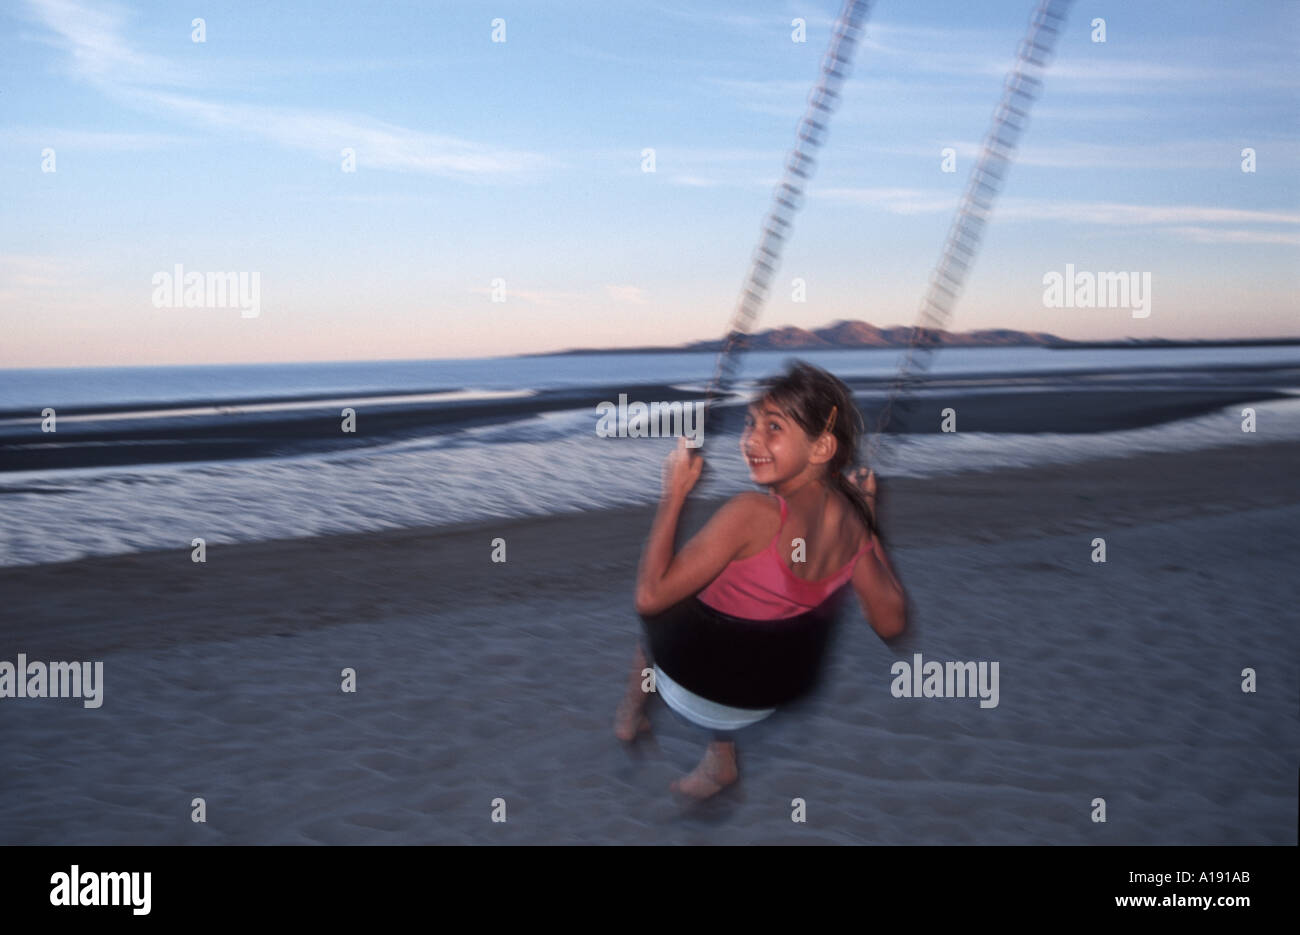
{"type": "Point", "coordinates": [681, 470]}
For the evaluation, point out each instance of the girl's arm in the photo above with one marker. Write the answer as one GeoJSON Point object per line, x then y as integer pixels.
{"type": "Point", "coordinates": [879, 593]}
{"type": "Point", "coordinates": [663, 579]}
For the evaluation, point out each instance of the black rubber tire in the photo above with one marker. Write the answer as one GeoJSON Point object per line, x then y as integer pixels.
{"type": "Point", "coordinates": [742, 663]}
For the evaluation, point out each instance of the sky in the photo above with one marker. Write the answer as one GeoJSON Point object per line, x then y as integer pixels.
{"type": "Point", "coordinates": [521, 161]}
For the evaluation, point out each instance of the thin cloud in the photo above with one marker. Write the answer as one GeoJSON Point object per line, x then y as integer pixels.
{"type": "Point", "coordinates": [92, 39]}
{"type": "Point", "coordinates": [27, 281]}
{"type": "Point", "coordinates": [1123, 215]}
{"type": "Point", "coordinates": [1190, 222]}
{"type": "Point", "coordinates": [99, 53]}
{"type": "Point", "coordinates": [904, 201]}
{"type": "Point", "coordinates": [539, 297]}
{"type": "Point", "coordinates": [377, 144]}
{"type": "Point", "coordinates": [1219, 235]}
{"type": "Point", "coordinates": [547, 298]}
{"type": "Point", "coordinates": [1176, 154]}
{"type": "Point", "coordinates": [955, 52]}
{"type": "Point", "coordinates": [742, 21]}
{"type": "Point", "coordinates": [627, 295]}
{"type": "Point", "coordinates": [30, 270]}
{"type": "Point", "coordinates": [97, 140]}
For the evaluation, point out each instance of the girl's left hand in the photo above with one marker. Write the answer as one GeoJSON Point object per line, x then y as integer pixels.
{"type": "Point", "coordinates": [681, 470]}
{"type": "Point", "coordinates": [865, 480]}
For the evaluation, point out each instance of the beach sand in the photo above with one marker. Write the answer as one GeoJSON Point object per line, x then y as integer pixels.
{"type": "Point", "coordinates": [478, 681]}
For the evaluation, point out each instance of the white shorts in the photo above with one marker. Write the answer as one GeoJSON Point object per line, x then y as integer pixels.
{"type": "Point", "coordinates": [702, 711]}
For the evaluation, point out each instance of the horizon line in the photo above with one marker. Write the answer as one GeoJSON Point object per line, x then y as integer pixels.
{"type": "Point", "coordinates": [1126, 343]}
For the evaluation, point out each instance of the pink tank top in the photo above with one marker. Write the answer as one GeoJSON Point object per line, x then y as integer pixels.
{"type": "Point", "coordinates": [762, 587]}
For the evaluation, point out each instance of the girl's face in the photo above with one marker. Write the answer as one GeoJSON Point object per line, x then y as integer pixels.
{"type": "Point", "coordinates": [773, 444]}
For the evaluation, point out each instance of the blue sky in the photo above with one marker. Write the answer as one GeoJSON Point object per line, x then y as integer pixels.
{"type": "Point", "coordinates": [522, 161]}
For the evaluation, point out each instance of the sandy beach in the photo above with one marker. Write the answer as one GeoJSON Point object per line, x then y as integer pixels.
{"type": "Point", "coordinates": [478, 681]}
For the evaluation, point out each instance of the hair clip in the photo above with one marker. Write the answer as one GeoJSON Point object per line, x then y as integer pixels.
{"type": "Point", "coordinates": [830, 422]}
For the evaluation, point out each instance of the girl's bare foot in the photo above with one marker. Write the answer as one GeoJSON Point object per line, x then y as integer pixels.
{"type": "Point", "coordinates": [716, 771]}
{"type": "Point", "coordinates": [630, 719]}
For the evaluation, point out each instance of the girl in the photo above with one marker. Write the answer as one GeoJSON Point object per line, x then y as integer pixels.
{"type": "Point", "coordinates": [799, 439]}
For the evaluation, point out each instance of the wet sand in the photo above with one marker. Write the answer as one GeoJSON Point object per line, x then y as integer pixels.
{"type": "Point", "coordinates": [201, 430]}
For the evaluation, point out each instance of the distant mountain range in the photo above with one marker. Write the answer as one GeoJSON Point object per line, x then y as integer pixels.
{"type": "Point", "coordinates": [843, 335]}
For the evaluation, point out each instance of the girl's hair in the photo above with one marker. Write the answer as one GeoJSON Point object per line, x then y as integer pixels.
{"type": "Point", "coordinates": [817, 400]}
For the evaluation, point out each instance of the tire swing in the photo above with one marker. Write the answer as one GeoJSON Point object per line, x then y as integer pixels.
{"type": "Point", "coordinates": [738, 662]}
{"type": "Point", "coordinates": [762, 664]}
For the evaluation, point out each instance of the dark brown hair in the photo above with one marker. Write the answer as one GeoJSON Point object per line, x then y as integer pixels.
{"type": "Point", "coordinates": [815, 399]}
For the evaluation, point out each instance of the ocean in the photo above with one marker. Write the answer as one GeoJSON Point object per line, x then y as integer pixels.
{"type": "Point", "coordinates": [153, 457]}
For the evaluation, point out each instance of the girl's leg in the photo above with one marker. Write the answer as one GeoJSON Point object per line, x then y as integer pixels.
{"type": "Point", "coordinates": [630, 718]}
{"type": "Point", "coordinates": [716, 771]}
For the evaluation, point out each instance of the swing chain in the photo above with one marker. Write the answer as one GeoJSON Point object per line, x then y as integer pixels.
{"type": "Point", "coordinates": [1020, 89]}
{"type": "Point", "coordinates": [788, 197]}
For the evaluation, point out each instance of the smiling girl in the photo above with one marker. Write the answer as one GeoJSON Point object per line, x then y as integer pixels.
{"type": "Point", "coordinates": [800, 438]}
